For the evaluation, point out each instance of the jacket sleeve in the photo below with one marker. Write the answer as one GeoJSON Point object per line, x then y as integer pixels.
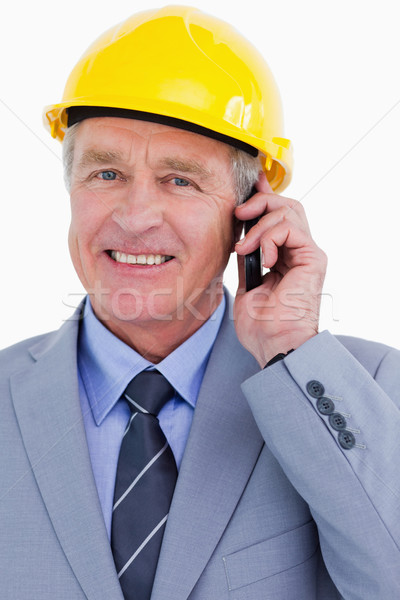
{"type": "Point", "coordinates": [341, 453]}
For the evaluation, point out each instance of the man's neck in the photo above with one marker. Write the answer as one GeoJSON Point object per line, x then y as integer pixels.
{"type": "Point", "coordinates": [155, 339]}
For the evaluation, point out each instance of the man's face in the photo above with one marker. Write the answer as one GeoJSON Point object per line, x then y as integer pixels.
{"type": "Point", "coordinates": [152, 221]}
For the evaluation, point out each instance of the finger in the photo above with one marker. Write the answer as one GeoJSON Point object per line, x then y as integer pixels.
{"type": "Point", "coordinates": [252, 239]}
{"type": "Point", "coordinates": [263, 185]}
{"type": "Point", "coordinates": [261, 203]}
{"type": "Point", "coordinates": [254, 207]}
{"type": "Point", "coordinates": [303, 250]}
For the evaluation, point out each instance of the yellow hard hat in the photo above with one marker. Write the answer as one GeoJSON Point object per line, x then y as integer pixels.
{"type": "Point", "coordinates": [190, 68]}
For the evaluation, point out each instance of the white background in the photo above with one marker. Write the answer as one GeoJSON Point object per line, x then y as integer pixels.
{"type": "Point", "coordinates": [337, 66]}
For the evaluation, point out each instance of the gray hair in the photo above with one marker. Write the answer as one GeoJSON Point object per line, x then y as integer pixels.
{"type": "Point", "coordinates": [68, 146]}
{"type": "Point", "coordinates": [245, 169]}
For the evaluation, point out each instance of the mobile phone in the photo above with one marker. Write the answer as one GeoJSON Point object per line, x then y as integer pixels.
{"type": "Point", "coordinates": [252, 261]}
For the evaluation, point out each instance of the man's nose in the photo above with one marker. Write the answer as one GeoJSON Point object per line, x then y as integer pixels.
{"type": "Point", "coordinates": [140, 208]}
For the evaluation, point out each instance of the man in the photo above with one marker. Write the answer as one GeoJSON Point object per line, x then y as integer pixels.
{"type": "Point", "coordinates": [285, 439]}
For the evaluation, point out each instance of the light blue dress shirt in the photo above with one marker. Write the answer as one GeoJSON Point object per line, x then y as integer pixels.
{"type": "Point", "coordinates": [106, 365]}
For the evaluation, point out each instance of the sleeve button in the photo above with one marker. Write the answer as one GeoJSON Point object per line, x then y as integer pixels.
{"type": "Point", "coordinates": [325, 406]}
{"type": "Point", "coordinates": [315, 388]}
{"type": "Point", "coordinates": [346, 439]}
{"type": "Point", "coordinates": [337, 421]}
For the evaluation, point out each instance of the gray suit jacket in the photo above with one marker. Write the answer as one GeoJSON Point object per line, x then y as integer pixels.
{"type": "Point", "coordinates": [267, 504]}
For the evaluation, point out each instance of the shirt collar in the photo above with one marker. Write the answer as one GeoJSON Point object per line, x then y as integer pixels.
{"type": "Point", "coordinates": [107, 365]}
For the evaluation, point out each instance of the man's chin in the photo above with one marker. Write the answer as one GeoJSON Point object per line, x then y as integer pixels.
{"type": "Point", "coordinates": [157, 306]}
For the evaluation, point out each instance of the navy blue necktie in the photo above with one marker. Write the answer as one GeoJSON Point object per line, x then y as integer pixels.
{"type": "Point", "coordinates": [145, 482]}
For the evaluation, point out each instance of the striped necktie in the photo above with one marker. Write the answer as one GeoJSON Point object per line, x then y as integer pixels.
{"type": "Point", "coordinates": [145, 482]}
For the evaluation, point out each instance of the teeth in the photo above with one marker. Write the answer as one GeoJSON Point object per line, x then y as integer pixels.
{"type": "Point", "coordinates": [139, 259]}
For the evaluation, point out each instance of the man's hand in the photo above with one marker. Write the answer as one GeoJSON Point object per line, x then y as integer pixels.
{"type": "Point", "coordinates": [283, 312]}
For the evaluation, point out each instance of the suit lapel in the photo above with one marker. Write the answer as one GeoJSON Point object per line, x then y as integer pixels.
{"type": "Point", "coordinates": [46, 401]}
{"type": "Point", "coordinates": [214, 470]}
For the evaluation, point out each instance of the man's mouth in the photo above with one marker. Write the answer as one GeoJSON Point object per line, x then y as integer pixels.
{"type": "Point", "coordinates": [138, 259]}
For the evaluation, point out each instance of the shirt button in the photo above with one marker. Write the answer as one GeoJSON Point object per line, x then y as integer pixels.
{"type": "Point", "coordinates": [325, 406]}
{"type": "Point", "coordinates": [315, 388]}
{"type": "Point", "coordinates": [346, 439]}
{"type": "Point", "coordinates": [337, 421]}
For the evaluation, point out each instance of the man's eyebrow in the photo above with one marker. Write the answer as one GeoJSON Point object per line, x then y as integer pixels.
{"type": "Point", "coordinates": [101, 157]}
{"type": "Point", "coordinates": [188, 165]}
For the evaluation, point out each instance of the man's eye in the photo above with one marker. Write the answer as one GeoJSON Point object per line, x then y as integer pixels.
{"type": "Point", "coordinates": [108, 175]}
{"type": "Point", "coordinates": [181, 182]}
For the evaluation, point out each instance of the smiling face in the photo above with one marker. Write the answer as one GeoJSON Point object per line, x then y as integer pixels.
{"type": "Point", "coordinates": [152, 224]}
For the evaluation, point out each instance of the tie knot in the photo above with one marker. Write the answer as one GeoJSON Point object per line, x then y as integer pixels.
{"type": "Point", "coordinates": [148, 392]}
